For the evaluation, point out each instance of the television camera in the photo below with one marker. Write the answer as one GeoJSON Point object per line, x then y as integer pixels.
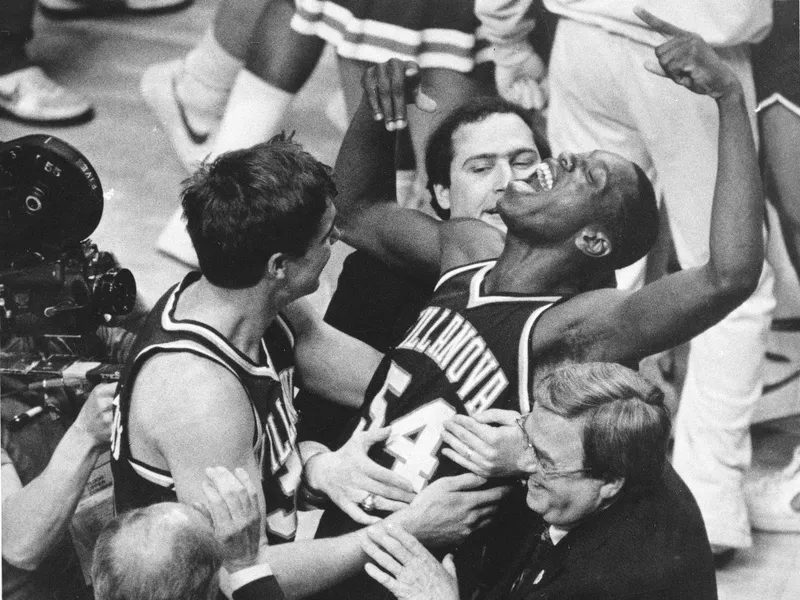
{"type": "Point", "coordinates": [56, 287]}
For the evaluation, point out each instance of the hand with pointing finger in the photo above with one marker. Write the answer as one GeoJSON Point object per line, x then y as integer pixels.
{"type": "Point", "coordinates": [688, 60]}
{"type": "Point", "coordinates": [390, 87]}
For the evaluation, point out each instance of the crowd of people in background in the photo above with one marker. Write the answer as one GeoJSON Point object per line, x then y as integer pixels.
{"type": "Point", "coordinates": [467, 414]}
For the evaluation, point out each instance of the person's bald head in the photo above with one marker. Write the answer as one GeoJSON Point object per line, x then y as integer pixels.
{"type": "Point", "coordinates": [164, 551]}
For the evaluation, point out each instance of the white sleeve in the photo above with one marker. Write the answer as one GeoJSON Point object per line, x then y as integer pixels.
{"type": "Point", "coordinates": [505, 21]}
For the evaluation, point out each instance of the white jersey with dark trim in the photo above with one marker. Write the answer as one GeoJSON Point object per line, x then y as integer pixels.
{"type": "Point", "coordinates": [269, 387]}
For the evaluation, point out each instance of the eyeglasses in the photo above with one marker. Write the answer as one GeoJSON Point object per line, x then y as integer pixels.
{"type": "Point", "coordinates": [546, 473]}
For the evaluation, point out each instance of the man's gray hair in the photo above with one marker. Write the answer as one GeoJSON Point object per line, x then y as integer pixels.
{"type": "Point", "coordinates": [625, 423]}
{"type": "Point", "coordinates": [161, 552]}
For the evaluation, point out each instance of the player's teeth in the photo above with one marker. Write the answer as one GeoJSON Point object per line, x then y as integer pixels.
{"type": "Point", "coordinates": [545, 176]}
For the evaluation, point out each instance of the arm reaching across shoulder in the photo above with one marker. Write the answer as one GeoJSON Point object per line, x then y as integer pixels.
{"type": "Point", "coordinates": [329, 362]}
{"type": "Point", "coordinates": [678, 307]}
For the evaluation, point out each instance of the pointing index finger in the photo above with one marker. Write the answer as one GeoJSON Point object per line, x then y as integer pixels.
{"type": "Point", "coordinates": [657, 24]}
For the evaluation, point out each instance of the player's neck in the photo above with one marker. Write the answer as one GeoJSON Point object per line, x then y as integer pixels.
{"type": "Point", "coordinates": [240, 315]}
{"type": "Point", "coordinates": [526, 270]}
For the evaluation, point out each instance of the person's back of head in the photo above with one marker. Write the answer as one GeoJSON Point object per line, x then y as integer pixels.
{"type": "Point", "coordinates": [250, 204]}
{"type": "Point", "coordinates": [626, 425]}
{"type": "Point", "coordinates": [165, 551]}
{"type": "Point", "coordinates": [634, 221]}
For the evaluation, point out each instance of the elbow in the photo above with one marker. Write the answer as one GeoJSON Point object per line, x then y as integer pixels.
{"type": "Point", "coordinates": [738, 286]}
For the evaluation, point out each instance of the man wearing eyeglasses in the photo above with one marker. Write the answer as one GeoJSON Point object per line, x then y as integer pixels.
{"type": "Point", "coordinates": [610, 519]}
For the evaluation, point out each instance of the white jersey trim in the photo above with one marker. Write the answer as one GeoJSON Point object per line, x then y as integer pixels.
{"type": "Point", "coordinates": [164, 481]}
{"type": "Point", "coordinates": [462, 269]}
{"type": "Point", "coordinates": [523, 371]}
{"type": "Point", "coordinates": [170, 324]}
{"type": "Point", "coordinates": [476, 299]}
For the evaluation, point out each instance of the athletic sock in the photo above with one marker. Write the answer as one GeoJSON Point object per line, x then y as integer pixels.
{"type": "Point", "coordinates": [253, 114]}
{"type": "Point", "coordinates": [203, 86]}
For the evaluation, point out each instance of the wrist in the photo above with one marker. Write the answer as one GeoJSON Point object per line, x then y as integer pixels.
{"type": "Point", "coordinates": [732, 93]}
{"type": "Point", "coordinates": [312, 488]}
{"type": "Point", "coordinates": [515, 53]}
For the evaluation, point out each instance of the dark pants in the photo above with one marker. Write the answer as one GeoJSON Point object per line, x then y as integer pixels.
{"type": "Point", "coordinates": [16, 18]}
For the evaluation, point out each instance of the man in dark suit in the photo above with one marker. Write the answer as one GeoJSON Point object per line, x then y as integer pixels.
{"type": "Point", "coordinates": [610, 519]}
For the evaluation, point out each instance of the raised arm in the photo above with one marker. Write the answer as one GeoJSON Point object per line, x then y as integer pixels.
{"type": "Point", "coordinates": [368, 215]}
{"type": "Point", "coordinates": [677, 307]}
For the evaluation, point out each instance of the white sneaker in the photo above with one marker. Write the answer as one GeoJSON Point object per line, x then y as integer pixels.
{"type": "Point", "coordinates": [773, 500]}
{"type": "Point", "coordinates": [158, 90]}
{"type": "Point", "coordinates": [30, 96]}
{"type": "Point", "coordinates": [73, 9]}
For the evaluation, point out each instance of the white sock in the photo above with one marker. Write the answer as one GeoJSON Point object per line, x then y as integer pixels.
{"type": "Point", "coordinates": [209, 72]}
{"type": "Point", "coordinates": [254, 113]}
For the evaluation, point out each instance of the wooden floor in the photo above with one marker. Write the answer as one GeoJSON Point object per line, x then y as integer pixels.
{"type": "Point", "coordinates": [105, 58]}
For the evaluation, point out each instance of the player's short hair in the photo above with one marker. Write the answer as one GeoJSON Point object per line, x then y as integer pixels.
{"type": "Point", "coordinates": [439, 152]}
{"type": "Point", "coordinates": [160, 552]}
{"type": "Point", "coordinates": [634, 222]}
{"type": "Point", "coordinates": [626, 425]}
{"type": "Point", "coordinates": [247, 205]}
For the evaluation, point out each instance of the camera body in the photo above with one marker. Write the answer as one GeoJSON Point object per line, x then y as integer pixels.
{"type": "Point", "coordinates": [53, 280]}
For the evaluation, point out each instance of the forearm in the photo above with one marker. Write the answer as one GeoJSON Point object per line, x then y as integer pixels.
{"type": "Point", "coordinates": [505, 22]}
{"type": "Point", "coordinates": [365, 170]}
{"type": "Point", "coordinates": [737, 220]}
{"type": "Point", "coordinates": [305, 568]}
{"type": "Point", "coordinates": [36, 517]}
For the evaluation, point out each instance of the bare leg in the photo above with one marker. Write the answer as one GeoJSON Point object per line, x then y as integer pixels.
{"type": "Point", "coordinates": [279, 62]}
{"type": "Point", "coordinates": [780, 139]}
{"type": "Point", "coordinates": [235, 23]}
{"type": "Point", "coordinates": [278, 54]}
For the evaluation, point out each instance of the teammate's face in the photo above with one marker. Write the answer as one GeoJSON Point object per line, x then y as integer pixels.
{"type": "Point", "coordinates": [563, 194]}
{"type": "Point", "coordinates": [565, 500]}
{"type": "Point", "coordinates": [487, 156]}
{"type": "Point", "coordinates": [306, 269]}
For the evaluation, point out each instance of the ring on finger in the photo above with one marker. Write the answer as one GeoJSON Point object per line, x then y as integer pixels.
{"type": "Point", "coordinates": [368, 503]}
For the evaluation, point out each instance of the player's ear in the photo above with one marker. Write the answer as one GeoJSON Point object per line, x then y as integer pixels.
{"type": "Point", "coordinates": [442, 195]}
{"type": "Point", "coordinates": [276, 266]}
{"type": "Point", "coordinates": [594, 242]}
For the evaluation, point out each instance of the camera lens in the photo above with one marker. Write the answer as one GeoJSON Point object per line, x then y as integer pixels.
{"type": "Point", "coordinates": [114, 292]}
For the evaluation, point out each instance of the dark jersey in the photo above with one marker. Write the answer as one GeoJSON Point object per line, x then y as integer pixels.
{"type": "Point", "coordinates": [269, 387]}
{"type": "Point", "coordinates": [467, 352]}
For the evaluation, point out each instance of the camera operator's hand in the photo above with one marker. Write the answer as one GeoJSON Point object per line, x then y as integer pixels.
{"type": "Point", "coordinates": [450, 509]}
{"type": "Point", "coordinates": [95, 417]}
{"type": "Point", "coordinates": [392, 85]}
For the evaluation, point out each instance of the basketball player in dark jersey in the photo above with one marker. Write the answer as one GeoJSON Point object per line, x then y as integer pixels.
{"type": "Point", "coordinates": [571, 222]}
{"type": "Point", "coordinates": [212, 378]}
{"type": "Point", "coordinates": [377, 304]}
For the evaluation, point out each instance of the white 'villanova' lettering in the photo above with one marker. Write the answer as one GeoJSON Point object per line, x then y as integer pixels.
{"type": "Point", "coordinates": [458, 350]}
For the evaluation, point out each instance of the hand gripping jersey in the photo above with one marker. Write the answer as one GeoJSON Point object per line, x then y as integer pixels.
{"type": "Point", "coordinates": [467, 352]}
{"type": "Point", "coordinates": [268, 385]}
